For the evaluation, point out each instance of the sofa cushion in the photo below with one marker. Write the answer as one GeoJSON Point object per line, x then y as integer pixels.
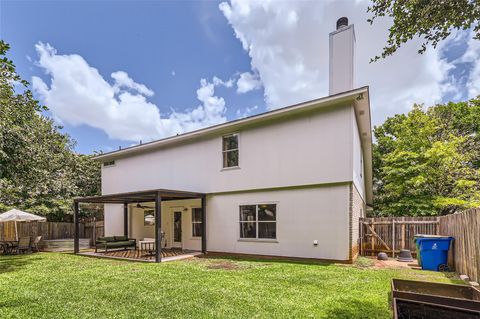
{"type": "Point", "coordinates": [109, 239]}
{"type": "Point", "coordinates": [120, 243]}
{"type": "Point", "coordinates": [120, 238]}
{"type": "Point", "coordinates": [101, 239]}
{"type": "Point", "coordinates": [115, 244]}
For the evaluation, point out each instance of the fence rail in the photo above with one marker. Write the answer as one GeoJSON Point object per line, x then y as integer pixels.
{"type": "Point", "coordinates": [50, 230]}
{"type": "Point", "coordinates": [390, 234]}
{"type": "Point", "coordinates": [465, 228]}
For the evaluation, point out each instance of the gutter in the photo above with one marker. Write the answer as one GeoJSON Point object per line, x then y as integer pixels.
{"type": "Point", "coordinates": [235, 124]}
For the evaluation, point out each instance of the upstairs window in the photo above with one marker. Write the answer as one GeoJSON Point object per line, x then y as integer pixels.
{"type": "Point", "coordinates": [258, 221]}
{"type": "Point", "coordinates": [109, 163]}
{"type": "Point", "coordinates": [230, 150]}
{"type": "Point", "coordinates": [197, 230]}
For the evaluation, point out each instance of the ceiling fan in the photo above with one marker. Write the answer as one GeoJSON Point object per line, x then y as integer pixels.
{"type": "Point", "coordinates": [144, 206]}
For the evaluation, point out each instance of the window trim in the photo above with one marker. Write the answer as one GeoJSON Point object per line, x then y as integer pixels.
{"type": "Point", "coordinates": [257, 239]}
{"type": "Point", "coordinates": [225, 168]}
{"type": "Point", "coordinates": [194, 222]}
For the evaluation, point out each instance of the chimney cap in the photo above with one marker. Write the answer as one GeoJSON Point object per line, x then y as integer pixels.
{"type": "Point", "coordinates": [342, 22]}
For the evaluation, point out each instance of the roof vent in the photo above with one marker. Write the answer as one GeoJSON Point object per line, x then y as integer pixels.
{"type": "Point", "coordinates": [342, 22]}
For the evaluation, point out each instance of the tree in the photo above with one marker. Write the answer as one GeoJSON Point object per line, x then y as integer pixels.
{"type": "Point", "coordinates": [427, 162]}
{"type": "Point", "coordinates": [434, 20]}
{"type": "Point", "coordinates": [39, 171]}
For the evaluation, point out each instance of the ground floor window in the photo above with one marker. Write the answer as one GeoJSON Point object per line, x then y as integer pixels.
{"type": "Point", "coordinates": [197, 229]}
{"type": "Point", "coordinates": [258, 221]}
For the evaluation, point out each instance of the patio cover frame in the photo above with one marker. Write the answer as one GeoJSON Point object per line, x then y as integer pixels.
{"type": "Point", "coordinates": [157, 196]}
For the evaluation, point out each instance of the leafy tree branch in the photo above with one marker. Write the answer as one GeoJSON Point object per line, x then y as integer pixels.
{"type": "Point", "coordinates": [39, 169]}
{"type": "Point", "coordinates": [427, 162]}
{"type": "Point", "coordinates": [432, 20]}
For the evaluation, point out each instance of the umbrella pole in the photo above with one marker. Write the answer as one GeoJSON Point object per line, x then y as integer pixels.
{"type": "Point", "coordinates": [16, 231]}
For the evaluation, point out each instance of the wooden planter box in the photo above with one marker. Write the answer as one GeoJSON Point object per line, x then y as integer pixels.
{"type": "Point", "coordinates": [427, 300]}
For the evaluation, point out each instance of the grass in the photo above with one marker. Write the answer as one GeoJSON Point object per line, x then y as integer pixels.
{"type": "Point", "coordinates": [54, 285]}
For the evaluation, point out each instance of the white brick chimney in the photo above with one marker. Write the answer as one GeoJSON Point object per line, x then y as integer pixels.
{"type": "Point", "coordinates": [342, 52]}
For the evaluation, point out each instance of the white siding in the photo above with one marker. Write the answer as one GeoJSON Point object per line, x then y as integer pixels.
{"type": "Point", "coordinates": [312, 149]}
{"type": "Point", "coordinates": [113, 216]}
{"type": "Point", "coordinates": [303, 215]}
{"type": "Point", "coordinates": [322, 148]}
{"type": "Point", "coordinates": [358, 159]}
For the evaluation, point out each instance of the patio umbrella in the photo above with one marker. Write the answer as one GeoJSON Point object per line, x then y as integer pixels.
{"type": "Point", "coordinates": [15, 215]}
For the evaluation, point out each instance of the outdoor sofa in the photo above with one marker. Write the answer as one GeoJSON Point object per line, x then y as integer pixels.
{"type": "Point", "coordinates": [106, 243]}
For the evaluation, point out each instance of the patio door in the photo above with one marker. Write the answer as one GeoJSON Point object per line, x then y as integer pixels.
{"type": "Point", "coordinates": [177, 229]}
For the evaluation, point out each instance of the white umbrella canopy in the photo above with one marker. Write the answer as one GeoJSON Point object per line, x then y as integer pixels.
{"type": "Point", "coordinates": [16, 215]}
{"type": "Point", "coordinates": [20, 216]}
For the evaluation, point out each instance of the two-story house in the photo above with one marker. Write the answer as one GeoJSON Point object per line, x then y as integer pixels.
{"type": "Point", "coordinates": [290, 182]}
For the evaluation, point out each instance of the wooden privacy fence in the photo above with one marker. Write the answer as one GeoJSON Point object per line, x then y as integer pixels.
{"type": "Point", "coordinates": [93, 230]}
{"type": "Point", "coordinates": [50, 230]}
{"type": "Point", "coordinates": [465, 228]}
{"type": "Point", "coordinates": [390, 234]}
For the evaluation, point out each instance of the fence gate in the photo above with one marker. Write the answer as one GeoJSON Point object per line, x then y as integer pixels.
{"type": "Point", "coordinates": [390, 234]}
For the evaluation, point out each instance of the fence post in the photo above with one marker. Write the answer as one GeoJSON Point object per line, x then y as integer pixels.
{"type": "Point", "coordinates": [76, 242]}
{"type": "Point", "coordinates": [373, 240]}
{"type": "Point", "coordinates": [361, 235]}
{"type": "Point", "coordinates": [94, 230]}
{"type": "Point", "coordinates": [393, 238]}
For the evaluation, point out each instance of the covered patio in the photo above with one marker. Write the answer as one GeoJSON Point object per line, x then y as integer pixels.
{"type": "Point", "coordinates": [156, 196]}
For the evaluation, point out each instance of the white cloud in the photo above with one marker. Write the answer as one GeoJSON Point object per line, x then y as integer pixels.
{"type": "Point", "coordinates": [210, 112]}
{"type": "Point", "coordinates": [242, 113]}
{"type": "Point", "coordinates": [79, 95]}
{"type": "Point", "coordinates": [248, 82]}
{"type": "Point", "coordinates": [173, 73]}
{"type": "Point", "coordinates": [471, 56]}
{"type": "Point", "coordinates": [122, 80]}
{"type": "Point", "coordinates": [228, 83]}
{"type": "Point", "coordinates": [288, 45]}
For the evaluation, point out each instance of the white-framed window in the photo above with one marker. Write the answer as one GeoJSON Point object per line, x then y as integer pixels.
{"type": "Point", "coordinates": [230, 150]}
{"type": "Point", "coordinates": [258, 221]}
{"type": "Point", "coordinates": [197, 229]}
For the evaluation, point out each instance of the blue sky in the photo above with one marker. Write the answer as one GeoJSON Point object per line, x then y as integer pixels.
{"type": "Point", "coordinates": [153, 55]}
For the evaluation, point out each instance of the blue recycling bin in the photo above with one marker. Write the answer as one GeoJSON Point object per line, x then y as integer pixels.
{"type": "Point", "coordinates": [433, 252]}
{"type": "Point", "coordinates": [417, 247]}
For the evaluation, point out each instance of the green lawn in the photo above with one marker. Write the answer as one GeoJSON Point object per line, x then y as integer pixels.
{"type": "Point", "coordinates": [52, 285]}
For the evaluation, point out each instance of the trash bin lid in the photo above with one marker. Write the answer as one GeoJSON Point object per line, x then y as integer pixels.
{"type": "Point", "coordinates": [430, 236]}
{"type": "Point", "coordinates": [436, 243]}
